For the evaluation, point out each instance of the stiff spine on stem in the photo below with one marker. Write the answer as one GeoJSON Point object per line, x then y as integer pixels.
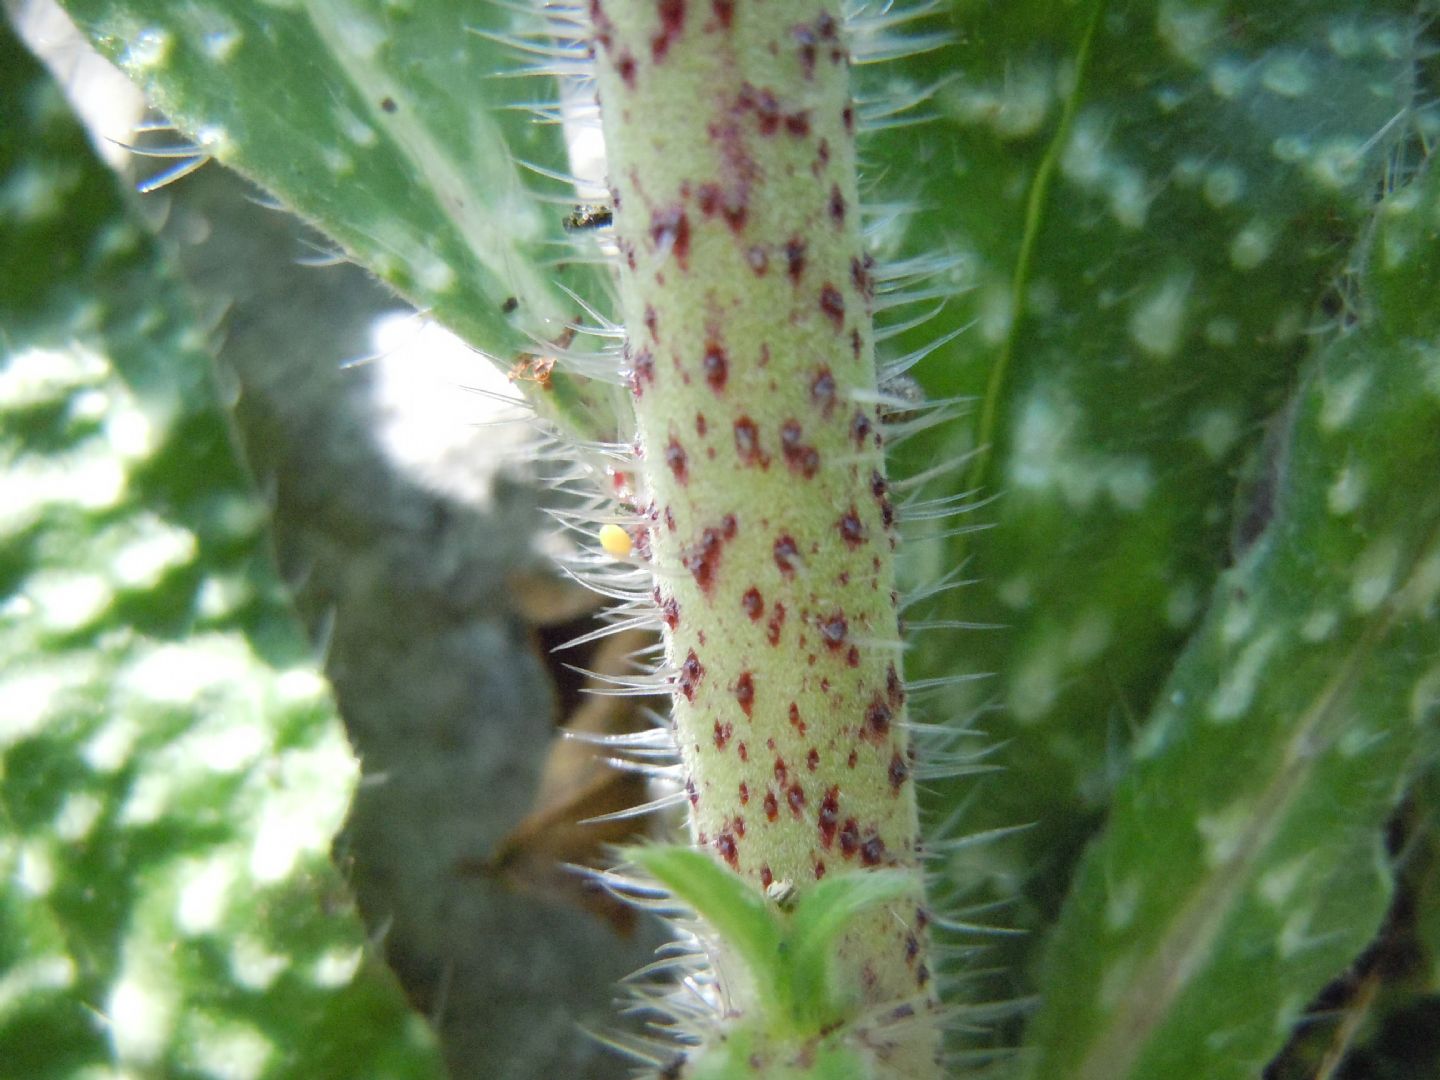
{"type": "Point", "coordinates": [765, 514]}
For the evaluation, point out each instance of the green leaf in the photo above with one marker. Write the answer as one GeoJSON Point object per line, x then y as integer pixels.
{"type": "Point", "coordinates": [739, 916]}
{"type": "Point", "coordinates": [399, 130]}
{"type": "Point", "coordinates": [173, 769]}
{"type": "Point", "coordinates": [822, 913]}
{"type": "Point", "coordinates": [1243, 865]}
{"type": "Point", "coordinates": [1147, 203]}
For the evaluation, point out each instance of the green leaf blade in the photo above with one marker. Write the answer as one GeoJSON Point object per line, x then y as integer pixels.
{"type": "Point", "coordinates": [1139, 278]}
{"type": "Point", "coordinates": [1243, 865]}
{"type": "Point", "coordinates": [821, 915]}
{"type": "Point", "coordinates": [738, 915]}
{"type": "Point", "coordinates": [392, 131]}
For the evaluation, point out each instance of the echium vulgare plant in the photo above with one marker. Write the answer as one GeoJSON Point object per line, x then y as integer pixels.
{"type": "Point", "coordinates": [1121, 314]}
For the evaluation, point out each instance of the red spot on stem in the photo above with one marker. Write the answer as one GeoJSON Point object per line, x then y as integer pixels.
{"type": "Point", "coordinates": [796, 798]}
{"type": "Point", "coordinates": [805, 39]}
{"type": "Point", "coordinates": [899, 772]}
{"type": "Point", "coordinates": [708, 199]}
{"type": "Point", "coordinates": [672, 23]}
{"type": "Point", "coordinates": [604, 29]}
{"type": "Point", "coordinates": [725, 845]}
{"type": "Point", "coordinates": [860, 278]}
{"type": "Point", "coordinates": [747, 443]}
{"type": "Point", "coordinates": [670, 232]}
{"type": "Point", "coordinates": [626, 66]}
{"type": "Point", "coordinates": [702, 558]}
{"type": "Point", "coordinates": [894, 688]}
{"type": "Point", "coordinates": [801, 458]}
{"type": "Point", "coordinates": [849, 838]}
{"type": "Point", "coordinates": [872, 851]}
{"type": "Point", "coordinates": [828, 816]}
{"type": "Point", "coordinates": [691, 672]}
{"type": "Point", "coordinates": [753, 603]}
{"type": "Point", "coordinates": [677, 460]}
{"type": "Point", "coordinates": [745, 692]}
{"type": "Point", "coordinates": [795, 258]}
{"type": "Point", "coordinates": [877, 718]}
{"type": "Point", "coordinates": [642, 372]}
{"type": "Point", "coordinates": [822, 391]}
{"type": "Point", "coordinates": [787, 558]}
{"type": "Point", "coordinates": [773, 626]}
{"type": "Point", "coordinates": [860, 428]}
{"type": "Point", "coordinates": [717, 366]}
{"type": "Point", "coordinates": [767, 108]}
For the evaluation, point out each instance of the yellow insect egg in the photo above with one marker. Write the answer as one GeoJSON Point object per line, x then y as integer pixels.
{"type": "Point", "coordinates": [615, 540]}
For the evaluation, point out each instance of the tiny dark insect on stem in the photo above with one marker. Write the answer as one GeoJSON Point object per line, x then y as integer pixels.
{"type": "Point", "coordinates": [588, 216]}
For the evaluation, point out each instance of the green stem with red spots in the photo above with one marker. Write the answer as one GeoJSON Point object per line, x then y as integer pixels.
{"type": "Point", "coordinates": [746, 294]}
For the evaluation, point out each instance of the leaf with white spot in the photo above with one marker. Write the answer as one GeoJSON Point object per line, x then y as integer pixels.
{"type": "Point", "coordinates": [398, 129]}
{"type": "Point", "coordinates": [1245, 850]}
{"type": "Point", "coordinates": [174, 770]}
{"type": "Point", "coordinates": [1142, 207]}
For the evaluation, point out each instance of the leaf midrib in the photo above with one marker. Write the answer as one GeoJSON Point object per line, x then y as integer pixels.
{"type": "Point", "coordinates": [1146, 1006]}
{"type": "Point", "coordinates": [1036, 204]}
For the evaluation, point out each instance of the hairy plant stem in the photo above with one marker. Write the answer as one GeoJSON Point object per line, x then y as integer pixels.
{"type": "Point", "coordinates": [746, 297]}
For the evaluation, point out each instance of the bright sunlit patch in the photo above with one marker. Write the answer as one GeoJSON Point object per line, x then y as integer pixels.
{"type": "Point", "coordinates": [253, 965]}
{"type": "Point", "coordinates": [66, 602]}
{"type": "Point", "coordinates": [23, 981]}
{"type": "Point", "coordinates": [156, 550]}
{"type": "Point", "coordinates": [77, 816]}
{"type": "Point", "coordinates": [441, 408]}
{"type": "Point", "coordinates": [205, 894]}
{"type": "Point", "coordinates": [142, 1011]}
{"type": "Point", "coordinates": [35, 873]}
{"type": "Point", "coordinates": [34, 377]}
{"type": "Point", "coordinates": [336, 967]}
{"type": "Point", "coordinates": [176, 675]}
{"type": "Point", "coordinates": [227, 1050]}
